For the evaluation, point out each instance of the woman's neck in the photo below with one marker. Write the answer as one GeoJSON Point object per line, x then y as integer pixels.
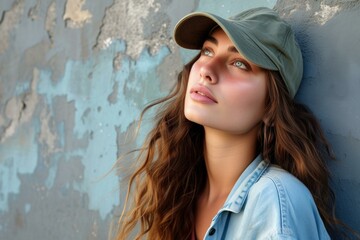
{"type": "Point", "coordinates": [226, 156]}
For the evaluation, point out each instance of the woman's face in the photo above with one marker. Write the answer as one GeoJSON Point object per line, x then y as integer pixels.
{"type": "Point", "coordinates": [225, 91]}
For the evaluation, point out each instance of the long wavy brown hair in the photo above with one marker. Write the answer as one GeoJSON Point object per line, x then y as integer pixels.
{"type": "Point", "coordinates": [163, 190]}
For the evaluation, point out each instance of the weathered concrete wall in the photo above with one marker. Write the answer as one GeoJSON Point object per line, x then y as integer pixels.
{"type": "Point", "coordinates": [75, 74]}
{"type": "Point", "coordinates": [330, 38]}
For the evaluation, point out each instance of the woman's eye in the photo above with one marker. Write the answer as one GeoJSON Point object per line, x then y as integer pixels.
{"type": "Point", "coordinates": [206, 52]}
{"type": "Point", "coordinates": [240, 64]}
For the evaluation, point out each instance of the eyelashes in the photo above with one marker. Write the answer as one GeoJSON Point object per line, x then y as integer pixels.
{"type": "Point", "coordinates": [239, 64]}
{"type": "Point", "coordinates": [206, 52]}
{"type": "Point", "coordinates": [242, 64]}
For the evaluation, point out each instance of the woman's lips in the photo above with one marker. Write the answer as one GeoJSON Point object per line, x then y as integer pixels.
{"type": "Point", "coordinates": [202, 94]}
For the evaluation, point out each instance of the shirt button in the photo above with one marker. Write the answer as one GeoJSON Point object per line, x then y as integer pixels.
{"type": "Point", "coordinates": [212, 231]}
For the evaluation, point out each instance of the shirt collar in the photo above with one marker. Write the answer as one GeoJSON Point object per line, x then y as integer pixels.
{"type": "Point", "coordinates": [239, 192]}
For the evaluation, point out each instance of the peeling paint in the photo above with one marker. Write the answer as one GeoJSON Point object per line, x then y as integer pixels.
{"type": "Point", "coordinates": [20, 109]}
{"type": "Point", "coordinates": [126, 19]}
{"type": "Point", "coordinates": [112, 98]}
{"type": "Point", "coordinates": [103, 143]}
{"type": "Point", "coordinates": [319, 12]}
{"type": "Point", "coordinates": [63, 110]}
{"type": "Point", "coordinates": [75, 16]}
{"type": "Point", "coordinates": [9, 21]}
{"type": "Point", "coordinates": [117, 62]}
{"type": "Point", "coordinates": [50, 21]}
{"type": "Point", "coordinates": [47, 137]}
{"type": "Point", "coordinates": [33, 12]}
{"type": "Point", "coordinates": [326, 13]}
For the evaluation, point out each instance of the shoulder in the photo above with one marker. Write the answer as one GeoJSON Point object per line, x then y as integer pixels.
{"type": "Point", "coordinates": [281, 198]}
{"type": "Point", "coordinates": [277, 206]}
{"type": "Point", "coordinates": [281, 190]}
{"type": "Point", "coordinates": [281, 185]}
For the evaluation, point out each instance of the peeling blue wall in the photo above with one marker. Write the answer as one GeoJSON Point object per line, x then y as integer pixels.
{"type": "Point", "coordinates": [75, 75]}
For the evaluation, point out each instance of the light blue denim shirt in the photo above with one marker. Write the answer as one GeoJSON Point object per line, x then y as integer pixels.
{"type": "Point", "coordinates": [267, 202]}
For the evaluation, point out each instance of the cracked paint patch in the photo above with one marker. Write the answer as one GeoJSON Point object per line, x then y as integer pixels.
{"type": "Point", "coordinates": [117, 62]}
{"type": "Point", "coordinates": [33, 13]}
{"type": "Point", "coordinates": [75, 16]}
{"type": "Point", "coordinates": [47, 137]}
{"type": "Point", "coordinates": [20, 109]}
{"type": "Point", "coordinates": [140, 23]}
{"type": "Point", "coordinates": [310, 12]}
{"type": "Point", "coordinates": [326, 12]}
{"type": "Point", "coordinates": [18, 146]}
{"type": "Point", "coordinates": [98, 93]}
{"type": "Point", "coordinates": [50, 22]}
{"type": "Point", "coordinates": [9, 20]}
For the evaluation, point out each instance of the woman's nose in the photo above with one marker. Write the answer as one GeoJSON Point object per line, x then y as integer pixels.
{"type": "Point", "coordinates": [207, 73]}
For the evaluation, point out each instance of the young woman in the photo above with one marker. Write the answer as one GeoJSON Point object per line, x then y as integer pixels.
{"type": "Point", "coordinates": [232, 156]}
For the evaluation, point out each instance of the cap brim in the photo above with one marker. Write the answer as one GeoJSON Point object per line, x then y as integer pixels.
{"type": "Point", "coordinates": [191, 31]}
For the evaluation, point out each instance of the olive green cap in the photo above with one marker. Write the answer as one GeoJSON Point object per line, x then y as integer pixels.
{"type": "Point", "coordinates": [259, 34]}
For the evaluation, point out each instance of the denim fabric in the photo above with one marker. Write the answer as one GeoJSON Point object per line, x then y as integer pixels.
{"type": "Point", "coordinates": [267, 202]}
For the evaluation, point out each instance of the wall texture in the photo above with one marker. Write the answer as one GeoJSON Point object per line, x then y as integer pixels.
{"type": "Point", "coordinates": [75, 74]}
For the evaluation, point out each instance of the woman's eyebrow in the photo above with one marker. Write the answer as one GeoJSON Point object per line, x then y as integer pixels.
{"type": "Point", "coordinates": [216, 42]}
{"type": "Point", "coordinates": [212, 40]}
